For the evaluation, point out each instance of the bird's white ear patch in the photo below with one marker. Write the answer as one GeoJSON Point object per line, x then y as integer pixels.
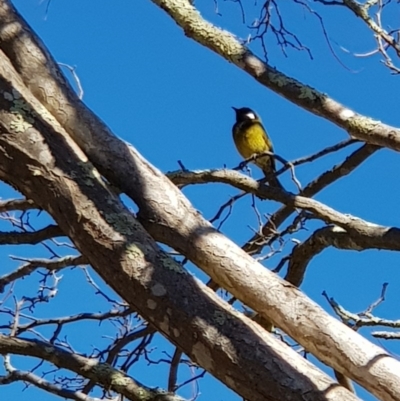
{"type": "Point", "coordinates": [251, 116]}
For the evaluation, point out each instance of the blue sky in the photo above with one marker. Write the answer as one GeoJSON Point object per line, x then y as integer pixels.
{"type": "Point", "coordinates": [171, 98]}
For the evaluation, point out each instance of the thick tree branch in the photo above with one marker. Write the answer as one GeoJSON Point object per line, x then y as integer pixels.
{"type": "Point", "coordinates": [178, 224]}
{"type": "Point", "coordinates": [47, 167]}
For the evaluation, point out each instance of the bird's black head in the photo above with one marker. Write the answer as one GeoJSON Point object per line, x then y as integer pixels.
{"type": "Point", "coordinates": [245, 114]}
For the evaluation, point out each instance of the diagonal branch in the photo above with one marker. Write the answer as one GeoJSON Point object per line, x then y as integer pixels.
{"type": "Point", "coordinates": [102, 373]}
{"type": "Point", "coordinates": [32, 265]}
{"type": "Point", "coordinates": [34, 237]}
{"type": "Point", "coordinates": [361, 11]}
{"type": "Point", "coordinates": [338, 238]}
{"type": "Point", "coordinates": [17, 204]}
{"type": "Point", "coordinates": [16, 375]}
{"type": "Point", "coordinates": [383, 236]}
{"type": "Point", "coordinates": [257, 242]}
{"type": "Point", "coordinates": [59, 178]}
{"type": "Point", "coordinates": [123, 252]}
{"type": "Point", "coordinates": [230, 48]}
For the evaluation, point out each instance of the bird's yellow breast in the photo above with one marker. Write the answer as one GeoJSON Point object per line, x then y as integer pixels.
{"type": "Point", "coordinates": [251, 139]}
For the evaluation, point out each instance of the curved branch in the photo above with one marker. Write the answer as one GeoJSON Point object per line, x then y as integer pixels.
{"type": "Point", "coordinates": [257, 242]}
{"type": "Point", "coordinates": [317, 155]}
{"type": "Point", "coordinates": [102, 373]}
{"type": "Point", "coordinates": [132, 263]}
{"type": "Point", "coordinates": [338, 238]}
{"type": "Point", "coordinates": [230, 48]}
{"type": "Point", "coordinates": [28, 377]}
{"type": "Point", "coordinates": [381, 235]}
{"type": "Point", "coordinates": [361, 319]}
{"type": "Point", "coordinates": [122, 252]}
{"type": "Point", "coordinates": [122, 342]}
{"type": "Point", "coordinates": [385, 40]}
{"type": "Point", "coordinates": [361, 11]}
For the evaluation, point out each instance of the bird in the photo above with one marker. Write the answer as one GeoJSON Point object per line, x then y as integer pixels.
{"type": "Point", "coordinates": [251, 139]}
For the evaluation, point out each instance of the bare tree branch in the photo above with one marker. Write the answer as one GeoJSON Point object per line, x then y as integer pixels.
{"type": "Point", "coordinates": [229, 47]}
{"type": "Point", "coordinates": [258, 241]}
{"type": "Point", "coordinates": [35, 323]}
{"type": "Point", "coordinates": [145, 277]}
{"type": "Point", "coordinates": [133, 256]}
{"type": "Point", "coordinates": [317, 155]}
{"type": "Point", "coordinates": [15, 375]}
{"type": "Point", "coordinates": [16, 204]}
{"type": "Point", "coordinates": [102, 373]}
{"type": "Point", "coordinates": [18, 238]}
{"type": "Point", "coordinates": [386, 40]}
{"type": "Point", "coordinates": [130, 261]}
{"type": "Point", "coordinates": [385, 237]}
{"type": "Point", "coordinates": [338, 238]}
{"type": "Point", "coordinates": [173, 371]}
{"type": "Point", "coordinates": [32, 265]}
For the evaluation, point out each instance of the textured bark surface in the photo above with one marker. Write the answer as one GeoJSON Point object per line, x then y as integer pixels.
{"type": "Point", "coordinates": [40, 160]}
{"type": "Point", "coordinates": [47, 153]}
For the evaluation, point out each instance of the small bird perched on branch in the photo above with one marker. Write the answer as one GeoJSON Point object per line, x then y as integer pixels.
{"type": "Point", "coordinates": [251, 140]}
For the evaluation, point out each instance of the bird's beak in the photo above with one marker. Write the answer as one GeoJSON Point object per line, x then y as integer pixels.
{"type": "Point", "coordinates": [234, 108]}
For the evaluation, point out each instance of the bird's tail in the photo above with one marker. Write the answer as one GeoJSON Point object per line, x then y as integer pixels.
{"type": "Point", "coordinates": [272, 180]}
{"type": "Point", "coordinates": [269, 170]}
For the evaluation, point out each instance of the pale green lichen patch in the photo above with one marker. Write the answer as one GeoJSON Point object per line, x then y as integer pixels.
{"type": "Point", "coordinates": [23, 115]}
{"type": "Point", "coordinates": [219, 317]}
{"type": "Point", "coordinates": [119, 379]}
{"type": "Point", "coordinates": [361, 124]}
{"type": "Point", "coordinates": [115, 377]}
{"type": "Point", "coordinates": [120, 223]}
{"type": "Point", "coordinates": [172, 264]}
{"type": "Point", "coordinates": [279, 79]}
{"type": "Point", "coordinates": [49, 350]}
{"type": "Point", "coordinates": [133, 251]}
{"type": "Point", "coordinates": [306, 92]}
{"type": "Point", "coordinates": [89, 171]}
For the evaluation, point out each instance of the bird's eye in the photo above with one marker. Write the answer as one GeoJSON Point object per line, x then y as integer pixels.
{"type": "Point", "coordinates": [251, 116]}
